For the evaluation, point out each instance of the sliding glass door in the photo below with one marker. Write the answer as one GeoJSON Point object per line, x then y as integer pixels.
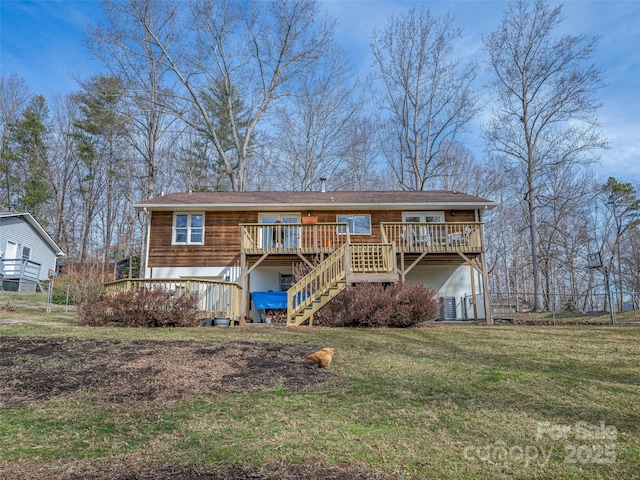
{"type": "Point", "coordinates": [280, 233]}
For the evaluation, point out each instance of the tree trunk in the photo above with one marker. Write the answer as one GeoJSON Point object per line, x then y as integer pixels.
{"type": "Point", "coordinates": [534, 237]}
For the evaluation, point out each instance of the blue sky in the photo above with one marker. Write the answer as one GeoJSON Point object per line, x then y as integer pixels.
{"type": "Point", "coordinates": [41, 41]}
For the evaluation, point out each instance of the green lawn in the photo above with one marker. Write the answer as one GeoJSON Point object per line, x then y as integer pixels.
{"type": "Point", "coordinates": [450, 402]}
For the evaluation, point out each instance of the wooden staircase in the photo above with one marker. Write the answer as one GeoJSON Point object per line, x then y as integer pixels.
{"type": "Point", "coordinates": [350, 263]}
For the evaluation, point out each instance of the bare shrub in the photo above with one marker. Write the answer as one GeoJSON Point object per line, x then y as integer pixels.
{"type": "Point", "coordinates": [397, 305]}
{"type": "Point", "coordinates": [7, 307]}
{"type": "Point", "coordinates": [141, 308]}
{"type": "Point", "coordinates": [84, 282]}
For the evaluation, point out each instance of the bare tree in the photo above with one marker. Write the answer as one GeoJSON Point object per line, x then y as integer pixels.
{"type": "Point", "coordinates": [253, 49]}
{"type": "Point", "coordinates": [63, 171]}
{"type": "Point", "coordinates": [630, 247]}
{"type": "Point", "coordinates": [124, 44]}
{"type": "Point", "coordinates": [359, 169]}
{"type": "Point", "coordinates": [14, 95]}
{"type": "Point", "coordinates": [545, 113]}
{"type": "Point", "coordinates": [565, 201]}
{"type": "Point", "coordinates": [312, 121]}
{"type": "Point", "coordinates": [426, 96]}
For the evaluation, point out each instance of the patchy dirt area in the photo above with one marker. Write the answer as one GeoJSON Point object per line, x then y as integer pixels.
{"type": "Point", "coordinates": [116, 470]}
{"type": "Point", "coordinates": [41, 369]}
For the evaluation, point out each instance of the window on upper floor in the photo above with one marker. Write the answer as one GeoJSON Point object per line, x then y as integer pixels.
{"type": "Point", "coordinates": [188, 229]}
{"type": "Point", "coordinates": [283, 233]}
{"type": "Point", "coordinates": [358, 224]}
{"type": "Point", "coordinates": [419, 217]}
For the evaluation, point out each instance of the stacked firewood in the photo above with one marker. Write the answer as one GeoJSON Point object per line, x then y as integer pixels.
{"type": "Point", "coordinates": [277, 315]}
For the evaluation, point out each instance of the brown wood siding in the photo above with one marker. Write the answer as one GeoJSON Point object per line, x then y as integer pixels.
{"type": "Point", "coordinates": [222, 235]}
{"type": "Point", "coordinates": [221, 241]}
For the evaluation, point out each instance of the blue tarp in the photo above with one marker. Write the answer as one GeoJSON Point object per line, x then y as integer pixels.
{"type": "Point", "coordinates": [264, 300]}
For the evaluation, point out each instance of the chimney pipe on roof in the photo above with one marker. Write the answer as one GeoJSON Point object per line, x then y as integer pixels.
{"type": "Point", "coordinates": [323, 184]}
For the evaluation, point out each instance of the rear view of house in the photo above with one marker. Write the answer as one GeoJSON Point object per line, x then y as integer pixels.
{"type": "Point", "coordinates": [28, 253]}
{"type": "Point", "coordinates": [255, 240]}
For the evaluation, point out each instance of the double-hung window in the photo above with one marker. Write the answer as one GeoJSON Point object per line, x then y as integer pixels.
{"type": "Point", "coordinates": [188, 229]}
{"type": "Point", "coordinates": [358, 224]}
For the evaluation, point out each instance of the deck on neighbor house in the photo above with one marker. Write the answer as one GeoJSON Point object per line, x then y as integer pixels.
{"type": "Point", "coordinates": [20, 272]}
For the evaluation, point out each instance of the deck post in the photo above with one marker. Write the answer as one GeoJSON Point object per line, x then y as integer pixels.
{"type": "Point", "coordinates": [243, 282]}
{"type": "Point", "coordinates": [473, 292]}
{"type": "Point", "coordinates": [347, 258]}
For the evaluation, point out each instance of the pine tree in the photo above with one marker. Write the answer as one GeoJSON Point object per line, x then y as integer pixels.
{"type": "Point", "coordinates": [26, 160]}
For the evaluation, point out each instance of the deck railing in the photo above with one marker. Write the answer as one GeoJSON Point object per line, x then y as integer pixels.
{"type": "Point", "coordinates": [444, 237]}
{"type": "Point", "coordinates": [215, 297]}
{"type": "Point", "coordinates": [259, 238]}
{"type": "Point", "coordinates": [409, 237]}
{"type": "Point", "coordinates": [331, 272]}
{"type": "Point", "coordinates": [20, 268]}
{"type": "Point", "coordinates": [370, 258]}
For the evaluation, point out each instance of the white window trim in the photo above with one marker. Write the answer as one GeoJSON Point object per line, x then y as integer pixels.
{"type": "Point", "coordinates": [354, 215]}
{"type": "Point", "coordinates": [422, 214]}
{"type": "Point", "coordinates": [291, 229]}
{"type": "Point", "coordinates": [173, 228]}
{"type": "Point", "coordinates": [296, 215]}
{"type": "Point", "coordinates": [15, 248]}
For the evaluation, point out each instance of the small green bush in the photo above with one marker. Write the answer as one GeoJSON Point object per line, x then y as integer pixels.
{"type": "Point", "coordinates": [59, 296]}
{"type": "Point", "coordinates": [141, 308]}
{"type": "Point", "coordinates": [398, 305]}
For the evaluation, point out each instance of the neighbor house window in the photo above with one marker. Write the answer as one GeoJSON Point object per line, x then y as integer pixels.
{"type": "Point", "coordinates": [358, 224]}
{"type": "Point", "coordinates": [188, 228]}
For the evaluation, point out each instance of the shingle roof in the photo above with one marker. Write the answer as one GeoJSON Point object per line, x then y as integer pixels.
{"type": "Point", "coordinates": [310, 200]}
{"type": "Point", "coordinates": [34, 223]}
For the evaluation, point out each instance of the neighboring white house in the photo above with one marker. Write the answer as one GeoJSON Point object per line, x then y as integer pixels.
{"type": "Point", "coordinates": [28, 254]}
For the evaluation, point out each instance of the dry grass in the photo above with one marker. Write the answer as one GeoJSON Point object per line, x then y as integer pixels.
{"type": "Point", "coordinates": [447, 402]}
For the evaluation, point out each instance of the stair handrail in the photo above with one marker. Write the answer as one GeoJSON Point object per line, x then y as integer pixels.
{"type": "Point", "coordinates": [322, 277]}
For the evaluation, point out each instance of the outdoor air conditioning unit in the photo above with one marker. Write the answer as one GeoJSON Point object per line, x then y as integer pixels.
{"type": "Point", "coordinates": [448, 308]}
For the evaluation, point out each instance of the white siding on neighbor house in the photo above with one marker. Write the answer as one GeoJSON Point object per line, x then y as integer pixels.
{"type": "Point", "coordinates": [18, 230]}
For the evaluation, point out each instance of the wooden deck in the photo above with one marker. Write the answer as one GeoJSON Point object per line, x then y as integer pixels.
{"type": "Point", "coordinates": [386, 255]}
{"type": "Point", "coordinates": [23, 273]}
{"type": "Point", "coordinates": [325, 238]}
{"type": "Point", "coordinates": [215, 298]}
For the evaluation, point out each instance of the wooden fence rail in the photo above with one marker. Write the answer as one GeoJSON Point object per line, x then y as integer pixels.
{"type": "Point", "coordinates": [214, 297]}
